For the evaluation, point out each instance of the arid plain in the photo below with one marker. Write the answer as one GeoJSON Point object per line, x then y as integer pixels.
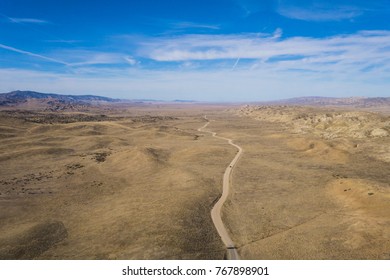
{"type": "Point", "coordinates": [139, 181]}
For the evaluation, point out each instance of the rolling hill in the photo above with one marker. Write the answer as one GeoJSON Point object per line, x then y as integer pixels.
{"type": "Point", "coordinates": [51, 101]}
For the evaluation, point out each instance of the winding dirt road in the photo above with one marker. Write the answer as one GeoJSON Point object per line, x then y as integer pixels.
{"type": "Point", "coordinates": [232, 253]}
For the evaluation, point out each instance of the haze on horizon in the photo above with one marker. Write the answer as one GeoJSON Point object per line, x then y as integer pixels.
{"type": "Point", "coordinates": [236, 50]}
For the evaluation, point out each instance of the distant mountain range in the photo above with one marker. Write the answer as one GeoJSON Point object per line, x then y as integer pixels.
{"type": "Point", "coordinates": [55, 102]}
{"type": "Point", "coordinates": [16, 97]}
{"type": "Point", "coordinates": [336, 101]}
{"type": "Point", "coordinates": [58, 102]}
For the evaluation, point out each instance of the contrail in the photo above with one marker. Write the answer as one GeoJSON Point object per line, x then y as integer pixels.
{"type": "Point", "coordinates": [32, 54]}
{"type": "Point", "coordinates": [23, 22]}
{"type": "Point", "coordinates": [235, 64]}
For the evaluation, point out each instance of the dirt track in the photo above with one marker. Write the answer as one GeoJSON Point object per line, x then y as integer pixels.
{"type": "Point", "coordinates": [216, 211]}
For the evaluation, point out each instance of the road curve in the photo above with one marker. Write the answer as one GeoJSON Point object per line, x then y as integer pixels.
{"type": "Point", "coordinates": [232, 253]}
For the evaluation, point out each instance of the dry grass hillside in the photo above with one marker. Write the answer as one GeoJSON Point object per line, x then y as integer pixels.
{"type": "Point", "coordinates": [136, 185]}
{"type": "Point", "coordinates": [366, 130]}
{"type": "Point", "coordinates": [310, 184]}
{"type": "Point", "coordinates": [139, 181]}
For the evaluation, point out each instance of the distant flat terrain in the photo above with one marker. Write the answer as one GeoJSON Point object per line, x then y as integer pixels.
{"type": "Point", "coordinates": [351, 102]}
{"type": "Point", "coordinates": [138, 181]}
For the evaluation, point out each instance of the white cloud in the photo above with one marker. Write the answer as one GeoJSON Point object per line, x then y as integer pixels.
{"type": "Point", "coordinates": [63, 41]}
{"type": "Point", "coordinates": [278, 33]}
{"type": "Point", "coordinates": [201, 47]}
{"type": "Point", "coordinates": [235, 64]}
{"type": "Point", "coordinates": [9, 48]}
{"type": "Point", "coordinates": [192, 25]}
{"type": "Point", "coordinates": [76, 58]}
{"type": "Point", "coordinates": [131, 60]}
{"type": "Point", "coordinates": [28, 20]}
{"type": "Point", "coordinates": [343, 53]}
{"type": "Point", "coordinates": [318, 10]}
{"type": "Point", "coordinates": [82, 58]}
{"type": "Point", "coordinates": [263, 82]}
{"type": "Point", "coordinates": [319, 14]}
{"type": "Point", "coordinates": [200, 67]}
{"type": "Point", "coordinates": [96, 59]}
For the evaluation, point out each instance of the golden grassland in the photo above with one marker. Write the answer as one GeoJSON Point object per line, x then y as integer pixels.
{"type": "Point", "coordinates": [139, 183]}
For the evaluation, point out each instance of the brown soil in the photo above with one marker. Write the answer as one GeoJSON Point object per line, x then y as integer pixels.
{"type": "Point", "coordinates": [139, 183]}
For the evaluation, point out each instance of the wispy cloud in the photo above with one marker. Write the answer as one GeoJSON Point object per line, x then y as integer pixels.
{"type": "Point", "coordinates": [9, 48]}
{"type": "Point", "coordinates": [278, 33]}
{"type": "Point", "coordinates": [131, 60]}
{"type": "Point", "coordinates": [178, 26]}
{"type": "Point", "coordinates": [236, 63]}
{"type": "Point", "coordinates": [28, 20]}
{"type": "Point", "coordinates": [318, 11]}
{"type": "Point", "coordinates": [215, 67]}
{"type": "Point", "coordinates": [94, 58]}
{"type": "Point", "coordinates": [192, 25]}
{"type": "Point", "coordinates": [211, 85]}
{"type": "Point", "coordinates": [319, 15]}
{"type": "Point", "coordinates": [82, 58]}
{"type": "Point", "coordinates": [63, 41]}
{"type": "Point", "coordinates": [350, 52]}
{"type": "Point", "coordinates": [76, 58]}
{"type": "Point", "coordinates": [201, 47]}
{"type": "Point", "coordinates": [365, 51]}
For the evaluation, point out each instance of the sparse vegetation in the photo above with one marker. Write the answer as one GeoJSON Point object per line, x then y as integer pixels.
{"type": "Point", "coordinates": [118, 183]}
{"type": "Point", "coordinates": [151, 192]}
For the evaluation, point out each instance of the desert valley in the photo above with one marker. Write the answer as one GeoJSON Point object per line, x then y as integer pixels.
{"type": "Point", "coordinates": [96, 178]}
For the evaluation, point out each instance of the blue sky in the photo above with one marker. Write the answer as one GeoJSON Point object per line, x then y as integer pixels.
{"type": "Point", "coordinates": [207, 50]}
